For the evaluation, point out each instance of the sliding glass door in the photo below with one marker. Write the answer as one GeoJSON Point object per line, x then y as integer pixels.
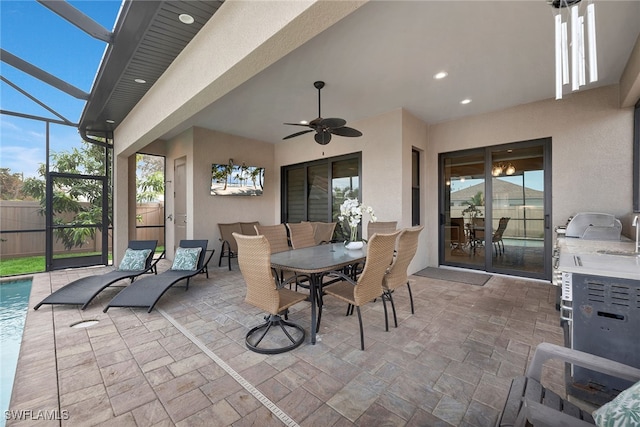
{"type": "Point", "coordinates": [495, 209]}
{"type": "Point", "coordinates": [518, 209]}
{"type": "Point", "coordinates": [464, 209]}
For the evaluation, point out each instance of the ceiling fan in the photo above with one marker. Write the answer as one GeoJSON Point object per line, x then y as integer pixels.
{"type": "Point", "coordinates": [324, 127]}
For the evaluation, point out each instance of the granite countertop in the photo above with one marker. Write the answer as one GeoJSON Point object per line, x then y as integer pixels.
{"type": "Point", "coordinates": [599, 257]}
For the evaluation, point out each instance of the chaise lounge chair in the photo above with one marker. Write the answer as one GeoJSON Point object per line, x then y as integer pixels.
{"type": "Point", "coordinates": [84, 290]}
{"type": "Point", "coordinates": [189, 261]}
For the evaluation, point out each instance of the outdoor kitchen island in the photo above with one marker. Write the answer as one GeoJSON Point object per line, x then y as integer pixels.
{"type": "Point", "coordinates": [600, 309]}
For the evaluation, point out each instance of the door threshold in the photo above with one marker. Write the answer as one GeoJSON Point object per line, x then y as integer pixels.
{"type": "Point", "coordinates": [509, 276]}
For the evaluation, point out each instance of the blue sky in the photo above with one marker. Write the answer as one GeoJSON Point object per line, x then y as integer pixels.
{"type": "Point", "coordinates": [39, 36]}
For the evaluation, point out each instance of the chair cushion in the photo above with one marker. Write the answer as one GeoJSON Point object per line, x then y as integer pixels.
{"type": "Point", "coordinates": [624, 410]}
{"type": "Point", "coordinates": [134, 260]}
{"type": "Point", "coordinates": [186, 259]}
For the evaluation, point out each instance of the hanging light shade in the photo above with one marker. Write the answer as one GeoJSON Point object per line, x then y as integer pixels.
{"type": "Point", "coordinates": [499, 169]}
{"type": "Point", "coordinates": [563, 3]}
{"type": "Point", "coordinates": [583, 41]}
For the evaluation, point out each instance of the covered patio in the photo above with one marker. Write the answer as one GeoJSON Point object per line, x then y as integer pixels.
{"type": "Point", "coordinates": [185, 363]}
{"type": "Point", "coordinates": [223, 98]}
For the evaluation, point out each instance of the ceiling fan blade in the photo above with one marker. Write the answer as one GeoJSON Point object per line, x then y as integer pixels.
{"type": "Point", "coordinates": [333, 122]}
{"type": "Point", "coordinates": [298, 133]}
{"type": "Point", "coordinates": [296, 124]}
{"type": "Point", "coordinates": [325, 127]}
{"type": "Point", "coordinates": [346, 131]}
{"type": "Point", "coordinates": [323, 137]}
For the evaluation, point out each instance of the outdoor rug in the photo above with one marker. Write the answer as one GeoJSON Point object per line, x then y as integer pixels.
{"type": "Point", "coordinates": [478, 279]}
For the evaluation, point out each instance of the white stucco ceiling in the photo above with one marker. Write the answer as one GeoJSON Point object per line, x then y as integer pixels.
{"type": "Point", "coordinates": [383, 57]}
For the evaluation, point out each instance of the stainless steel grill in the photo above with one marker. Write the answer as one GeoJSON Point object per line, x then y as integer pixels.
{"type": "Point", "coordinates": [592, 226]}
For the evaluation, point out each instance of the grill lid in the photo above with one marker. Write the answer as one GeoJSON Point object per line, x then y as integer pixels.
{"type": "Point", "coordinates": [594, 226]}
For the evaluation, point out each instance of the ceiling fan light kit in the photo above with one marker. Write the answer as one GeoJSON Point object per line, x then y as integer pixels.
{"type": "Point", "coordinates": [324, 128]}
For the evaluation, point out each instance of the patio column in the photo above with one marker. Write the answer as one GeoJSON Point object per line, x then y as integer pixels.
{"type": "Point", "coordinates": [123, 193]}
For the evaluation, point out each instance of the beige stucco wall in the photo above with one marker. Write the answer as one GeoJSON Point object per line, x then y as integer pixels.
{"type": "Point", "coordinates": [380, 147]}
{"type": "Point", "coordinates": [591, 137]}
{"type": "Point", "coordinates": [591, 134]}
{"type": "Point", "coordinates": [414, 136]}
{"type": "Point", "coordinates": [216, 147]}
{"type": "Point", "coordinates": [386, 146]}
{"type": "Point", "coordinates": [592, 145]}
{"type": "Point", "coordinates": [202, 147]}
{"type": "Point", "coordinates": [270, 30]}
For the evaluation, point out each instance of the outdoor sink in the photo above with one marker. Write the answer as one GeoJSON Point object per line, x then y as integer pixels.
{"type": "Point", "coordinates": [614, 252]}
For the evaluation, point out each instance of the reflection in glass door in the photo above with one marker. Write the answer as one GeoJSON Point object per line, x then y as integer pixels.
{"type": "Point", "coordinates": [315, 190]}
{"type": "Point", "coordinates": [464, 209]}
{"type": "Point", "coordinates": [518, 209]}
{"type": "Point", "coordinates": [506, 232]}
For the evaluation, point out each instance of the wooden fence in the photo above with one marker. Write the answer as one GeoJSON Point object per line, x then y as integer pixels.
{"type": "Point", "coordinates": [526, 222]}
{"type": "Point", "coordinates": [26, 218]}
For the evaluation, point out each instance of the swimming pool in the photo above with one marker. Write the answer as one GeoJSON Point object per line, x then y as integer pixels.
{"type": "Point", "coordinates": [14, 300]}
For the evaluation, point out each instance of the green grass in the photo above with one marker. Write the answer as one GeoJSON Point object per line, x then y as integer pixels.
{"type": "Point", "coordinates": [15, 266]}
{"type": "Point", "coordinates": [36, 264]}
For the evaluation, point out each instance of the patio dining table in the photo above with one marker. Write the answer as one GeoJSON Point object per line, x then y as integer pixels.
{"type": "Point", "coordinates": [314, 261]}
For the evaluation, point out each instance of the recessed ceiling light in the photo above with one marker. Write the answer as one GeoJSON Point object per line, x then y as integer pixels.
{"type": "Point", "coordinates": [186, 19]}
{"type": "Point", "coordinates": [440, 75]}
{"type": "Point", "coordinates": [304, 122]}
{"type": "Point", "coordinates": [140, 81]}
{"type": "Point", "coordinates": [110, 121]}
{"type": "Point", "coordinates": [465, 101]}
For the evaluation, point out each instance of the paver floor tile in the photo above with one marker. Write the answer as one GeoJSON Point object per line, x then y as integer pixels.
{"type": "Point", "coordinates": [186, 363]}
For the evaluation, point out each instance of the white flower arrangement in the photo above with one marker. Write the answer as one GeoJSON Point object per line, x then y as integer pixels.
{"type": "Point", "coordinates": [351, 211]}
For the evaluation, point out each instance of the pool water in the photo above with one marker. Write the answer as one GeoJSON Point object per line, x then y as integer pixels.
{"type": "Point", "coordinates": [14, 300]}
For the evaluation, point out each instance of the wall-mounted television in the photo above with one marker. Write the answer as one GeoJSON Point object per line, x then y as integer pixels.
{"type": "Point", "coordinates": [236, 180]}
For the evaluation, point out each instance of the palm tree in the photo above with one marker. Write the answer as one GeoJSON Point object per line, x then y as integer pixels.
{"type": "Point", "coordinates": [255, 173]}
{"type": "Point", "coordinates": [229, 172]}
{"type": "Point", "coordinates": [476, 200]}
{"type": "Point", "coordinates": [472, 205]}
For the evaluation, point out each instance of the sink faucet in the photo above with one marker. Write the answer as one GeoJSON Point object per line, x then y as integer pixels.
{"type": "Point", "coordinates": [637, 226]}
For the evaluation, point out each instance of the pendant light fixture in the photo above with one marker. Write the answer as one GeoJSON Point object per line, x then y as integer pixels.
{"type": "Point", "coordinates": [500, 169]}
{"type": "Point", "coordinates": [568, 12]}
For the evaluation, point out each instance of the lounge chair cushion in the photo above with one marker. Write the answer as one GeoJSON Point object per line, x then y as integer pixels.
{"type": "Point", "coordinates": [186, 259]}
{"type": "Point", "coordinates": [622, 411]}
{"type": "Point", "coordinates": [134, 260]}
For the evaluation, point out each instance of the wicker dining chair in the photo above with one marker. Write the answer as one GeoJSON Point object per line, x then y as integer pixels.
{"type": "Point", "coordinates": [406, 248]}
{"type": "Point", "coordinates": [323, 232]}
{"type": "Point", "coordinates": [279, 242]}
{"type": "Point", "coordinates": [276, 235]}
{"type": "Point", "coordinates": [368, 286]}
{"type": "Point", "coordinates": [248, 228]}
{"type": "Point", "coordinates": [263, 292]}
{"type": "Point", "coordinates": [301, 235]}
{"type": "Point", "coordinates": [384, 227]}
{"type": "Point", "coordinates": [498, 243]}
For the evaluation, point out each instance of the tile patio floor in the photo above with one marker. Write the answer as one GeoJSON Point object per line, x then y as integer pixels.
{"type": "Point", "coordinates": [185, 364]}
